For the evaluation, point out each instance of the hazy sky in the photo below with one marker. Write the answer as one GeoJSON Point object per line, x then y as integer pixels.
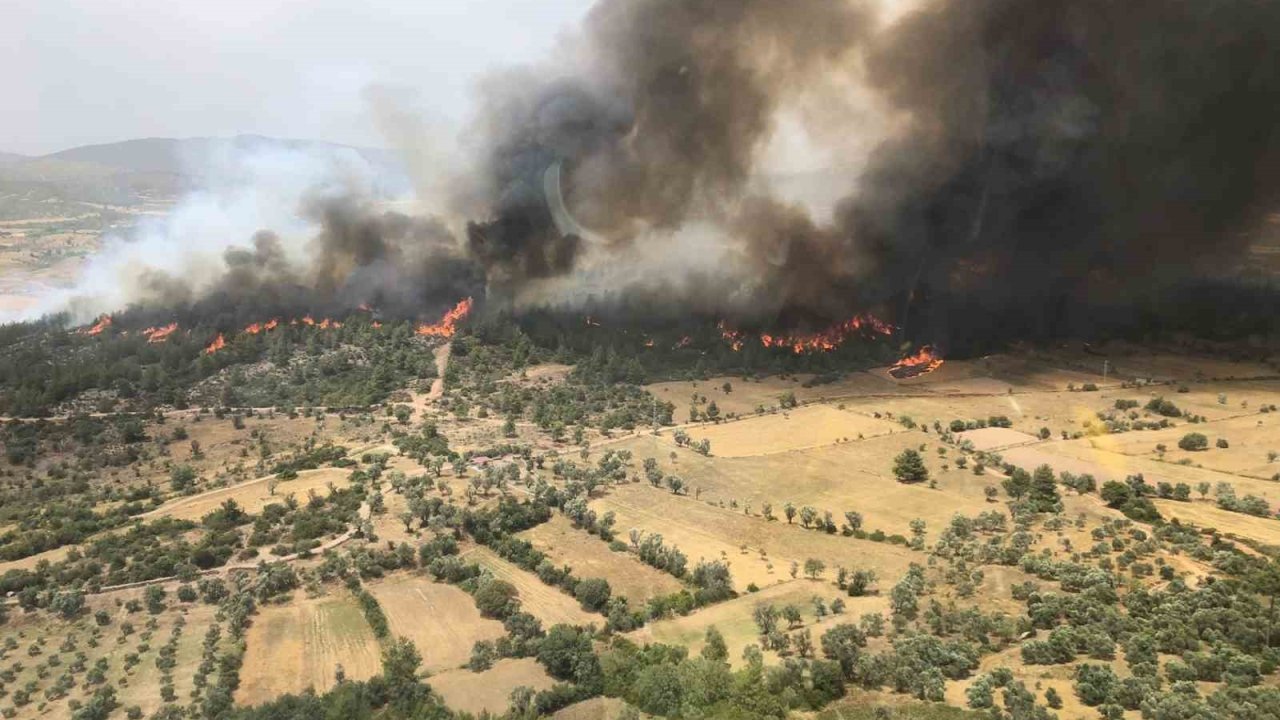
{"type": "Point", "coordinates": [88, 71]}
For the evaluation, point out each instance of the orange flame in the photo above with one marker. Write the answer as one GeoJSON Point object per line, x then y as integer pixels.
{"type": "Point", "coordinates": [448, 324]}
{"type": "Point", "coordinates": [160, 334]}
{"type": "Point", "coordinates": [828, 339]}
{"type": "Point", "coordinates": [684, 342]}
{"type": "Point", "coordinates": [308, 320]}
{"type": "Point", "coordinates": [924, 361]}
{"type": "Point", "coordinates": [733, 337]}
{"type": "Point", "coordinates": [376, 325]}
{"type": "Point", "coordinates": [103, 323]}
{"type": "Point", "coordinates": [257, 328]}
{"type": "Point", "coordinates": [648, 342]}
{"type": "Point", "coordinates": [217, 344]}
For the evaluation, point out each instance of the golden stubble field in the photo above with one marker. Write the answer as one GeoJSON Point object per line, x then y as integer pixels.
{"type": "Point", "coordinates": [489, 690]}
{"type": "Point", "coordinates": [300, 644]}
{"type": "Point", "coordinates": [590, 557]}
{"type": "Point", "coordinates": [441, 620]}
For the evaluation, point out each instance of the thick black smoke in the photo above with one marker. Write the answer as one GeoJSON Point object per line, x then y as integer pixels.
{"type": "Point", "coordinates": [1043, 163]}
{"type": "Point", "coordinates": [1049, 157]}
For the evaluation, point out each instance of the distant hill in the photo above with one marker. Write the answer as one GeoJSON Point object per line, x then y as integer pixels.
{"type": "Point", "coordinates": [127, 171]}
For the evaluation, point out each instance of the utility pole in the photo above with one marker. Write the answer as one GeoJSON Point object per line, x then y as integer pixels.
{"type": "Point", "coordinates": [1105, 367]}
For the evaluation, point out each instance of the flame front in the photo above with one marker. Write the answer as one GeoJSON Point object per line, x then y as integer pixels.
{"type": "Point", "coordinates": [448, 325]}
{"type": "Point", "coordinates": [217, 344]}
{"type": "Point", "coordinates": [160, 334]}
{"type": "Point", "coordinates": [922, 362]}
{"type": "Point", "coordinates": [103, 323]}
{"type": "Point", "coordinates": [824, 341]}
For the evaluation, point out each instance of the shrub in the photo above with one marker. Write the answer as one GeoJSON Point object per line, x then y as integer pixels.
{"type": "Point", "coordinates": [1194, 442]}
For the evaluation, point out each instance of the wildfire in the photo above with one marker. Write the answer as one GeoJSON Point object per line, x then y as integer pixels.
{"type": "Point", "coordinates": [217, 344]}
{"type": "Point", "coordinates": [160, 334]}
{"type": "Point", "coordinates": [733, 337]}
{"type": "Point", "coordinates": [103, 323]}
{"type": "Point", "coordinates": [267, 326]}
{"type": "Point", "coordinates": [684, 342]}
{"type": "Point", "coordinates": [448, 324]}
{"type": "Point", "coordinates": [824, 341]}
{"type": "Point", "coordinates": [924, 361]}
{"type": "Point", "coordinates": [376, 325]}
{"type": "Point", "coordinates": [648, 342]}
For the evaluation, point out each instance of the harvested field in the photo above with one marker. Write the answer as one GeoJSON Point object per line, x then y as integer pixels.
{"type": "Point", "coordinates": [994, 438]}
{"type": "Point", "coordinates": [1250, 439]}
{"type": "Point", "coordinates": [590, 557]}
{"type": "Point", "coordinates": [733, 618]}
{"type": "Point", "coordinates": [757, 551]}
{"type": "Point", "coordinates": [489, 691]}
{"type": "Point", "coordinates": [297, 646]}
{"type": "Point", "coordinates": [799, 429]}
{"type": "Point", "coordinates": [440, 619]}
{"type": "Point", "coordinates": [542, 601]}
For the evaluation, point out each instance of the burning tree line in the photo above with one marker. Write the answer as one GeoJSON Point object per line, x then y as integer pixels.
{"type": "Point", "coordinates": [864, 327]}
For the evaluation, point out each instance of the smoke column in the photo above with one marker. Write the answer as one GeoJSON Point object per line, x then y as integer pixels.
{"type": "Point", "coordinates": [1038, 159]}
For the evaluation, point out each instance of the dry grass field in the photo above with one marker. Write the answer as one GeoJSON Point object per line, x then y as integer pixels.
{"type": "Point", "coordinates": [589, 556]}
{"type": "Point", "coordinates": [441, 620]}
{"type": "Point", "coordinates": [542, 601]}
{"type": "Point", "coordinates": [1250, 438]}
{"type": "Point", "coordinates": [856, 475]}
{"type": "Point", "coordinates": [733, 618]}
{"type": "Point", "coordinates": [747, 396]}
{"type": "Point", "coordinates": [255, 494]}
{"type": "Point", "coordinates": [756, 551]}
{"type": "Point", "coordinates": [799, 429]}
{"type": "Point", "coordinates": [299, 645]}
{"type": "Point", "coordinates": [1206, 515]}
{"type": "Point", "coordinates": [601, 708]}
{"type": "Point", "coordinates": [489, 691]}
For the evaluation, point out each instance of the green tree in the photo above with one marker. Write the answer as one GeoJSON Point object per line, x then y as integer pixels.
{"type": "Point", "coordinates": [843, 644]}
{"type": "Point", "coordinates": [592, 593]}
{"type": "Point", "coordinates": [1044, 491]}
{"type": "Point", "coordinates": [182, 477]}
{"type": "Point", "coordinates": [715, 648]}
{"type": "Point", "coordinates": [908, 467]}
